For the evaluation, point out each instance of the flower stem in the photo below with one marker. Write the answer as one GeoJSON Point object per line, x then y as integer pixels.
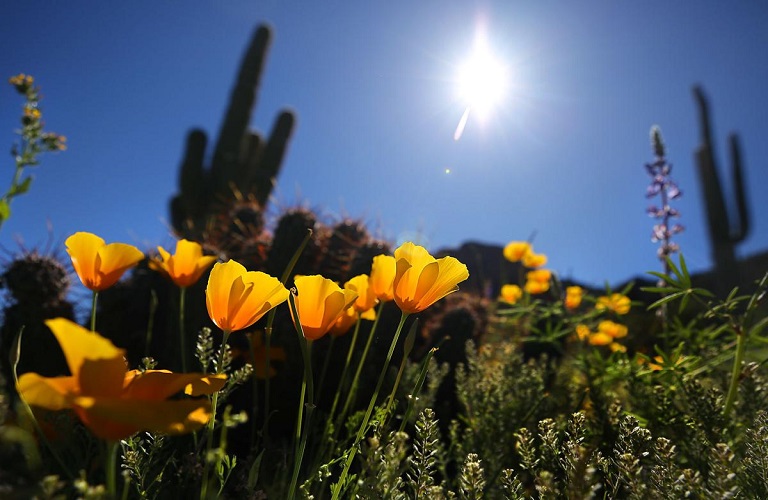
{"type": "Point", "coordinates": [212, 421]}
{"type": "Point", "coordinates": [353, 388]}
{"type": "Point", "coordinates": [111, 471]}
{"type": "Point", "coordinates": [733, 389]}
{"type": "Point", "coordinates": [182, 336]}
{"type": "Point", "coordinates": [308, 388]}
{"type": "Point", "coordinates": [343, 378]}
{"type": "Point", "coordinates": [93, 310]}
{"type": "Point", "coordinates": [363, 426]}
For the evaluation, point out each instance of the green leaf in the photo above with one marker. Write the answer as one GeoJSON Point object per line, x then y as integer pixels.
{"type": "Point", "coordinates": [668, 298]}
{"type": "Point", "coordinates": [20, 188]}
{"type": "Point", "coordinates": [5, 210]}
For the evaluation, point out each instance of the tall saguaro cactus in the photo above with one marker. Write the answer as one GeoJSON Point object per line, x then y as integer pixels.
{"type": "Point", "coordinates": [725, 230]}
{"type": "Point", "coordinates": [244, 165]}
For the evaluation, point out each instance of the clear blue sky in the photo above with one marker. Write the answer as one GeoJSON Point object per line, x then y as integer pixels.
{"type": "Point", "coordinates": [372, 85]}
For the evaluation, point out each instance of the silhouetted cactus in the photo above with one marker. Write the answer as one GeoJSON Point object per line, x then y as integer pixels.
{"type": "Point", "coordinates": [37, 286]}
{"type": "Point", "coordinates": [244, 165]}
{"type": "Point", "coordinates": [725, 231]}
{"type": "Point", "coordinates": [344, 242]}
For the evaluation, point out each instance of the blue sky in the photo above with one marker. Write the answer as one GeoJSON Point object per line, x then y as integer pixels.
{"type": "Point", "coordinates": [373, 86]}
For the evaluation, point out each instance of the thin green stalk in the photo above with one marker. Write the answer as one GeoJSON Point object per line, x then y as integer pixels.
{"type": "Point", "coordinates": [306, 346]}
{"type": "Point", "coordinates": [407, 348]}
{"type": "Point", "coordinates": [93, 310]}
{"type": "Point", "coordinates": [733, 389]}
{"type": "Point", "coordinates": [324, 371]}
{"type": "Point", "coordinates": [150, 322]}
{"type": "Point", "coordinates": [16, 353]}
{"type": "Point", "coordinates": [182, 336]}
{"type": "Point", "coordinates": [212, 421]}
{"type": "Point", "coordinates": [268, 339]}
{"type": "Point", "coordinates": [111, 466]}
{"type": "Point", "coordinates": [353, 388]}
{"type": "Point", "coordinates": [363, 426]}
{"type": "Point", "coordinates": [417, 388]}
{"type": "Point", "coordinates": [343, 378]}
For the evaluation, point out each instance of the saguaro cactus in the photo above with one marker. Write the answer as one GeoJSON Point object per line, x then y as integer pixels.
{"type": "Point", "coordinates": [244, 165]}
{"type": "Point", "coordinates": [725, 231]}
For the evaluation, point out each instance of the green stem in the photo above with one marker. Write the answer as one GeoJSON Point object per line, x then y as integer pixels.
{"type": "Point", "coordinates": [733, 389]}
{"type": "Point", "coordinates": [324, 371]}
{"type": "Point", "coordinates": [353, 388]}
{"type": "Point", "coordinates": [182, 336]}
{"type": "Point", "coordinates": [306, 346]}
{"type": "Point", "coordinates": [111, 466]}
{"type": "Point", "coordinates": [150, 322]}
{"type": "Point", "coordinates": [268, 338]}
{"type": "Point", "coordinates": [212, 421]}
{"type": "Point", "coordinates": [364, 425]}
{"type": "Point", "coordinates": [93, 310]}
{"type": "Point", "coordinates": [343, 378]}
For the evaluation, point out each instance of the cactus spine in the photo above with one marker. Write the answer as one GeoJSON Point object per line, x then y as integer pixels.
{"type": "Point", "coordinates": [725, 231]}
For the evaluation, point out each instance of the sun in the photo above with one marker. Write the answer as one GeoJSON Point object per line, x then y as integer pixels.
{"type": "Point", "coordinates": [481, 83]}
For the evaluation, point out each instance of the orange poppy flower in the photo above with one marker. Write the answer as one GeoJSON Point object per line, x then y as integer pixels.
{"type": "Point", "coordinates": [237, 298]}
{"type": "Point", "coordinates": [382, 277]}
{"type": "Point", "coordinates": [184, 267]}
{"type": "Point", "coordinates": [421, 280]}
{"type": "Point", "coordinates": [320, 302]}
{"type": "Point", "coordinates": [98, 265]}
{"type": "Point", "coordinates": [366, 299]}
{"type": "Point", "coordinates": [112, 401]}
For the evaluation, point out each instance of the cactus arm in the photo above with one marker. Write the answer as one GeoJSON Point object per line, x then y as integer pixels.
{"type": "Point", "coordinates": [263, 179]}
{"type": "Point", "coordinates": [239, 110]}
{"type": "Point", "coordinates": [742, 228]}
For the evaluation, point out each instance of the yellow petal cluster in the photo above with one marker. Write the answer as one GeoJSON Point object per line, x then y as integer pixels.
{"type": "Point", "coordinates": [319, 303]}
{"type": "Point", "coordinates": [98, 265]}
{"type": "Point", "coordinates": [112, 401]}
{"type": "Point", "coordinates": [516, 250]}
{"type": "Point", "coordinates": [573, 296]}
{"type": "Point", "coordinates": [511, 293]}
{"type": "Point", "coordinates": [537, 281]}
{"type": "Point", "coordinates": [421, 280]}
{"type": "Point", "coordinates": [186, 266]}
{"type": "Point", "coordinates": [616, 302]}
{"type": "Point", "coordinates": [237, 298]}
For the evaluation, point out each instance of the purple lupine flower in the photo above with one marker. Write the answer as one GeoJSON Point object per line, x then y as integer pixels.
{"type": "Point", "coordinates": [662, 185]}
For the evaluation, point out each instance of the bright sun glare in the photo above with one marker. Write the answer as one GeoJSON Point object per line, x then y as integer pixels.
{"type": "Point", "coordinates": [481, 84]}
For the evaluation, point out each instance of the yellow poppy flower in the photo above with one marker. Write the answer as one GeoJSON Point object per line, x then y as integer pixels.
{"type": "Point", "coordinates": [259, 355]}
{"type": "Point", "coordinates": [366, 299]}
{"type": "Point", "coordinates": [382, 277]}
{"type": "Point", "coordinates": [421, 280]}
{"type": "Point", "coordinates": [320, 302]}
{"type": "Point", "coordinates": [616, 347]}
{"type": "Point", "coordinates": [98, 265]}
{"type": "Point", "coordinates": [582, 332]}
{"type": "Point", "coordinates": [573, 296]}
{"type": "Point", "coordinates": [237, 298]}
{"type": "Point", "coordinates": [112, 401]}
{"type": "Point", "coordinates": [344, 322]}
{"type": "Point", "coordinates": [533, 260]}
{"type": "Point", "coordinates": [615, 330]}
{"type": "Point", "coordinates": [516, 250]}
{"type": "Point", "coordinates": [537, 281]}
{"type": "Point", "coordinates": [600, 338]}
{"type": "Point", "coordinates": [615, 302]}
{"type": "Point", "coordinates": [511, 293]}
{"type": "Point", "coordinates": [185, 266]}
